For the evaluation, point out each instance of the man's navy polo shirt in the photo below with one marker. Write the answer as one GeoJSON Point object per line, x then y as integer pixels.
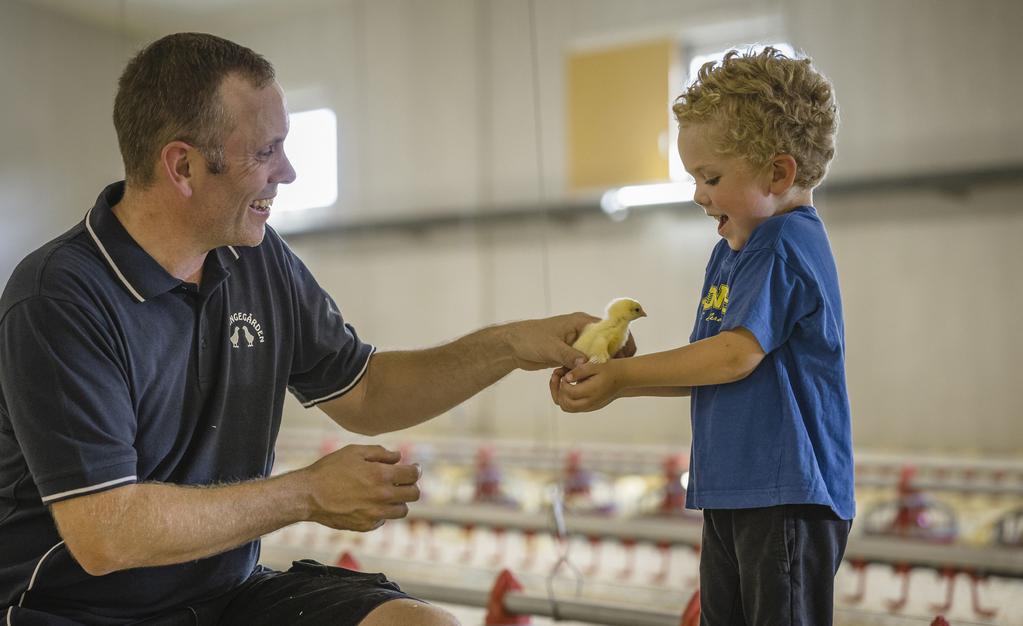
{"type": "Point", "coordinates": [112, 372]}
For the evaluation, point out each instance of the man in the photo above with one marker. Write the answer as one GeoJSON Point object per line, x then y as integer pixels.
{"type": "Point", "coordinates": [144, 356]}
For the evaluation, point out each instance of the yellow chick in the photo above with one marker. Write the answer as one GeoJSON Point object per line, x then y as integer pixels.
{"type": "Point", "coordinates": [602, 339]}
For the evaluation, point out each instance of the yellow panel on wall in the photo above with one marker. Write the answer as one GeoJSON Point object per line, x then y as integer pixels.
{"type": "Point", "coordinates": [618, 114]}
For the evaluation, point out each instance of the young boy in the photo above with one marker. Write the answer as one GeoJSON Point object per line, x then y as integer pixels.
{"type": "Point", "coordinates": [771, 462]}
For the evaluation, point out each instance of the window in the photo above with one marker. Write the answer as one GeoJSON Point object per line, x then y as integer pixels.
{"type": "Point", "coordinates": [616, 127]}
{"type": "Point", "coordinates": [311, 147]}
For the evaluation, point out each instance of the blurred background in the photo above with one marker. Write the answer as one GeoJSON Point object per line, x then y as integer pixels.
{"type": "Point", "coordinates": [465, 162]}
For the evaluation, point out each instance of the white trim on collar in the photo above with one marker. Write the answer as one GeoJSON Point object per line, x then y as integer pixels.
{"type": "Point", "coordinates": [110, 261]}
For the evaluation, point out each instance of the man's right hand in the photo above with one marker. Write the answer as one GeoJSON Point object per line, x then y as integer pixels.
{"type": "Point", "coordinates": [360, 487]}
{"type": "Point", "coordinates": [543, 343]}
{"type": "Point", "coordinates": [355, 488]}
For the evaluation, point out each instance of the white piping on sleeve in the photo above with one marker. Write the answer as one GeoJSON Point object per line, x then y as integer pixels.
{"type": "Point", "coordinates": [32, 581]}
{"type": "Point", "coordinates": [110, 261]}
{"type": "Point", "coordinates": [10, 613]}
{"type": "Point", "coordinates": [344, 390]}
{"type": "Point", "coordinates": [74, 492]}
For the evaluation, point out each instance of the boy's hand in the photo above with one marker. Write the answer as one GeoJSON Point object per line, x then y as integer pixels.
{"type": "Point", "coordinates": [596, 386]}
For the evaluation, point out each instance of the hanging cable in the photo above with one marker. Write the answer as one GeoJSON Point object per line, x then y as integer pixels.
{"type": "Point", "coordinates": [556, 491]}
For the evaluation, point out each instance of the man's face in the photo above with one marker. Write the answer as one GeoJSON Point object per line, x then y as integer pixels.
{"type": "Point", "coordinates": [728, 189]}
{"type": "Point", "coordinates": [232, 207]}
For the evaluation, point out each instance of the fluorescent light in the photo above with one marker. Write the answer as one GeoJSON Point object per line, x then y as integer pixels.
{"type": "Point", "coordinates": [617, 202]}
{"type": "Point", "coordinates": [661, 193]}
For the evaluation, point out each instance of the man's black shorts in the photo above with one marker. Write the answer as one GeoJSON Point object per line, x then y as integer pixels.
{"type": "Point", "coordinates": [308, 594]}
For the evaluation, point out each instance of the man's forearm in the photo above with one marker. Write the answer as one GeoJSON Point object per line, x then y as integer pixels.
{"type": "Point", "coordinates": [405, 388]}
{"type": "Point", "coordinates": [152, 524]}
{"type": "Point", "coordinates": [402, 389]}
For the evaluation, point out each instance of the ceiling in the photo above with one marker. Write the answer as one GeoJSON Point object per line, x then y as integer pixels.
{"type": "Point", "coordinates": [155, 16]}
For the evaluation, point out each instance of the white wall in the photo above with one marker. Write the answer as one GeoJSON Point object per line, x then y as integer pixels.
{"type": "Point", "coordinates": [58, 80]}
{"type": "Point", "coordinates": [435, 104]}
{"type": "Point", "coordinates": [931, 289]}
{"type": "Point", "coordinates": [923, 84]}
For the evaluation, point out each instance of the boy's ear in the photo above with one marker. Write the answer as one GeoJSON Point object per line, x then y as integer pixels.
{"type": "Point", "coordinates": [783, 173]}
{"type": "Point", "coordinates": [176, 164]}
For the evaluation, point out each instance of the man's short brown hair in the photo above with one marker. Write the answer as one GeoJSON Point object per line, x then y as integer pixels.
{"type": "Point", "coordinates": [170, 92]}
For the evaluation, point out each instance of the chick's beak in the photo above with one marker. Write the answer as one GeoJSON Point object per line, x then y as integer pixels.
{"type": "Point", "coordinates": [642, 313]}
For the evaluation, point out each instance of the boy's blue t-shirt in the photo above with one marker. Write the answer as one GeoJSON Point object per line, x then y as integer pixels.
{"type": "Point", "coordinates": [781, 435]}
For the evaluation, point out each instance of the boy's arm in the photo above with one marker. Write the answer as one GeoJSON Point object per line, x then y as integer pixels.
{"type": "Point", "coordinates": [726, 357]}
{"type": "Point", "coordinates": [658, 392]}
{"type": "Point", "coordinates": [631, 392]}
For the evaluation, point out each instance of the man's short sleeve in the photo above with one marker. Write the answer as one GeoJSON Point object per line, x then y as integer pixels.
{"type": "Point", "coordinates": [768, 298]}
{"type": "Point", "coordinates": [67, 399]}
{"type": "Point", "coordinates": [329, 357]}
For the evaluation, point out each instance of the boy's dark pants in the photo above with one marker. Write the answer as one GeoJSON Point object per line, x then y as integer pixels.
{"type": "Point", "coordinates": [773, 566]}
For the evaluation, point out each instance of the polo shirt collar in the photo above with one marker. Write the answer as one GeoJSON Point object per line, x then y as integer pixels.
{"type": "Point", "coordinates": [138, 272]}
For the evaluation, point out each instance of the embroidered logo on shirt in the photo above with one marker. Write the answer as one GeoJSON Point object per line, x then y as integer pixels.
{"type": "Point", "coordinates": [715, 303]}
{"type": "Point", "coordinates": [246, 330]}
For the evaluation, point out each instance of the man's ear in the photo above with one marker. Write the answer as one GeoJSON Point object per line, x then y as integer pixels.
{"type": "Point", "coordinates": [783, 173]}
{"type": "Point", "coordinates": [176, 163]}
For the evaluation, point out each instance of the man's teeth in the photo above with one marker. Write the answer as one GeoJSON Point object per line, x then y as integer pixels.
{"type": "Point", "coordinates": [264, 204]}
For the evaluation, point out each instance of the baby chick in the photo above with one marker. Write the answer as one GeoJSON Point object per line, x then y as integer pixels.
{"type": "Point", "coordinates": [602, 339]}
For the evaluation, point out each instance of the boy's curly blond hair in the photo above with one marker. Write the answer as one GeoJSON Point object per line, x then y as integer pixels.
{"type": "Point", "coordinates": [766, 104]}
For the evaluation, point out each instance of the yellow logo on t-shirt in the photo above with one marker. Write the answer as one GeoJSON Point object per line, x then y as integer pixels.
{"type": "Point", "coordinates": [715, 303]}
